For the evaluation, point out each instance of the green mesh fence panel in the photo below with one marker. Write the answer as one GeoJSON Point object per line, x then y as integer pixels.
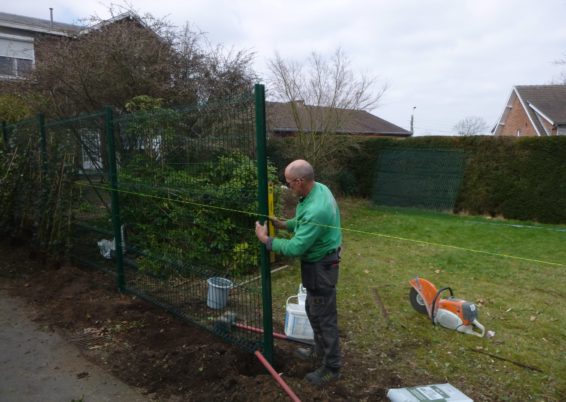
{"type": "Point", "coordinates": [178, 185]}
{"type": "Point", "coordinates": [188, 200]}
{"type": "Point", "coordinates": [419, 178]}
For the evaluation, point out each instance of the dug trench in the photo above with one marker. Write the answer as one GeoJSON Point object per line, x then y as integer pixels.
{"type": "Point", "coordinates": [169, 359]}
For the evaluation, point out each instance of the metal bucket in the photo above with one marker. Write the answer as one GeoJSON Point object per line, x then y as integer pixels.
{"type": "Point", "coordinates": [218, 292]}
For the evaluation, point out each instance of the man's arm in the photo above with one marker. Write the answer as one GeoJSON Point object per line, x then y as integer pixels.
{"type": "Point", "coordinates": [279, 224]}
{"type": "Point", "coordinates": [303, 238]}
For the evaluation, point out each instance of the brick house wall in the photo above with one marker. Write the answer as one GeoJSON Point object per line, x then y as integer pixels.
{"type": "Point", "coordinates": [534, 110]}
{"type": "Point", "coordinates": [517, 121]}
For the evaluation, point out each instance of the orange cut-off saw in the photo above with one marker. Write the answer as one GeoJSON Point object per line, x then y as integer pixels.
{"type": "Point", "coordinates": [449, 312]}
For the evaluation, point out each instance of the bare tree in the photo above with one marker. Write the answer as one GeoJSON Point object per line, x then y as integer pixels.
{"type": "Point", "coordinates": [116, 60]}
{"type": "Point", "coordinates": [321, 92]}
{"type": "Point", "coordinates": [471, 125]}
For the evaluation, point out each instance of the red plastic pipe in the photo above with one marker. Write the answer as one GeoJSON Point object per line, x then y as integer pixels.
{"type": "Point", "coordinates": [275, 334]}
{"type": "Point", "coordinates": [277, 377]}
{"type": "Point", "coordinates": [259, 331]}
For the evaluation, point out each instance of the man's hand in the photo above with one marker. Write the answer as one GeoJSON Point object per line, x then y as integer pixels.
{"type": "Point", "coordinates": [278, 224]}
{"type": "Point", "coordinates": [261, 232]}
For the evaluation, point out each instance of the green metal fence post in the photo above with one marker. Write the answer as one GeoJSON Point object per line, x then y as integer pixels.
{"type": "Point", "coordinates": [113, 178]}
{"type": "Point", "coordinates": [263, 210]}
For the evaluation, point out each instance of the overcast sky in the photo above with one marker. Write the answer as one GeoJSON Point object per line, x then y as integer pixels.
{"type": "Point", "coordinates": [449, 58]}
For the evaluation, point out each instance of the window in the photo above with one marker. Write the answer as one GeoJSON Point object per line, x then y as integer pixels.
{"type": "Point", "coordinates": [16, 55]}
{"type": "Point", "coordinates": [91, 153]}
{"type": "Point", "coordinates": [6, 65]}
{"type": "Point", "coordinates": [15, 67]}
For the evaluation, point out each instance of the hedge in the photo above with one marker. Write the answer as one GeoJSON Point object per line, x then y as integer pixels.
{"type": "Point", "coordinates": [512, 177]}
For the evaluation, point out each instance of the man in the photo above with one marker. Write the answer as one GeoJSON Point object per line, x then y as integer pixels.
{"type": "Point", "coordinates": [316, 240]}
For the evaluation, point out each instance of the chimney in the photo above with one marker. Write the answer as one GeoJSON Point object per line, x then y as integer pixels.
{"type": "Point", "coordinates": [51, 17]}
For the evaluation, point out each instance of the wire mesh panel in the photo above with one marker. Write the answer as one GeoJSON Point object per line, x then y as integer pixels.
{"type": "Point", "coordinates": [187, 180]}
{"type": "Point", "coordinates": [165, 198]}
{"type": "Point", "coordinates": [419, 178]}
{"type": "Point", "coordinates": [78, 172]}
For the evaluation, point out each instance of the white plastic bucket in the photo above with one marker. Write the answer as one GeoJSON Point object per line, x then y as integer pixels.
{"type": "Point", "coordinates": [297, 323]}
{"type": "Point", "coordinates": [218, 292]}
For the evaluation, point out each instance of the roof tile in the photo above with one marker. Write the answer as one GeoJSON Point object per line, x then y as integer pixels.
{"type": "Point", "coordinates": [280, 118]}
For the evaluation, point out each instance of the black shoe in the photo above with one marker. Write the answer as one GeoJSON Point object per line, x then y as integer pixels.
{"type": "Point", "coordinates": [306, 354]}
{"type": "Point", "coordinates": [322, 376]}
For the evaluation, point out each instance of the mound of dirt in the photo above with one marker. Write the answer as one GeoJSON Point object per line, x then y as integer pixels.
{"type": "Point", "coordinates": [150, 349]}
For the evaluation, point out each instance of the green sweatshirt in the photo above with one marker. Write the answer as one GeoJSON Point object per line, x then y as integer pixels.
{"type": "Point", "coordinates": [316, 227]}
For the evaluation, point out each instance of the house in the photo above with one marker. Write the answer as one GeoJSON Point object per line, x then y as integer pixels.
{"type": "Point", "coordinates": [17, 42]}
{"type": "Point", "coordinates": [534, 111]}
{"type": "Point", "coordinates": [282, 121]}
{"type": "Point", "coordinates": [22, 43]}
{"type": "Point", "coordinates": [19, 34]}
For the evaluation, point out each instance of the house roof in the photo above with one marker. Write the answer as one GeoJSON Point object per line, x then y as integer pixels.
{"type": "Point", "coordinates": [546, 101]}
{"type": "Point", "coordinates": [543, 104]}
{"type": "Point", "coordinates": [19, 22]}
{"type": "Point", "coordinates": [128, 15]}
{"type": "Point", "coordinates": [280, 119]}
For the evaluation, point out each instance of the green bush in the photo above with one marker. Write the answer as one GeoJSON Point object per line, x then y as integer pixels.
{"type": "Point", "coordinates": [516, 178]}
{"type": "Point", "coordinates": [198, 219]}
{"type": "Point", "coordinates": [13, 108]}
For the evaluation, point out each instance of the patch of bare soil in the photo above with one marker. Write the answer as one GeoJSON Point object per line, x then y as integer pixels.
{"type": "Point", "coordinates": [148, 348]}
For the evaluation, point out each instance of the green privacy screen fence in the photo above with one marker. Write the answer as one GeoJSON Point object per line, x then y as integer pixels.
{"type": "Point", "coordinates": [164, 198]}
{"type": "Point", "coordinates": [418, 178]}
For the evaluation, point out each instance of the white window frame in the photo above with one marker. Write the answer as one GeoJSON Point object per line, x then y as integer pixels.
{"type": "Point", "coordinates": [15, 56]}
{"type": "Point", "coordinates": [91, 155]}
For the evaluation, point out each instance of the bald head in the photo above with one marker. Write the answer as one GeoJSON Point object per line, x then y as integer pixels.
{"type": "Point", "coordinates": [300, 169]}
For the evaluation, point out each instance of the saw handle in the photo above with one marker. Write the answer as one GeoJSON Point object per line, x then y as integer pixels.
{"type": "Point", "coordinates": [433, 308]}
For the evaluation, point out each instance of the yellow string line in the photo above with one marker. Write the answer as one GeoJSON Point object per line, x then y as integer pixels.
{"type": "Point", "coordinates": [457, 247]}
{"type": "Point", "coordinates": [169, 199]}
{"type": "Point", "coordinates": [423, 242]}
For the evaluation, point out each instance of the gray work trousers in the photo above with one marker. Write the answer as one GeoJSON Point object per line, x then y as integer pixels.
{"type": "Point", "coordinates": [321, 278]}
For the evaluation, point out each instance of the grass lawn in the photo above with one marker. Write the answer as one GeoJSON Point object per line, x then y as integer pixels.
{"type": "Point", "coordinates": [514, 271]}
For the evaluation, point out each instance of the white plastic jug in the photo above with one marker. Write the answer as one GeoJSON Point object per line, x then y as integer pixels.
{"type": "Point", "coordinates": [297, 324]}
